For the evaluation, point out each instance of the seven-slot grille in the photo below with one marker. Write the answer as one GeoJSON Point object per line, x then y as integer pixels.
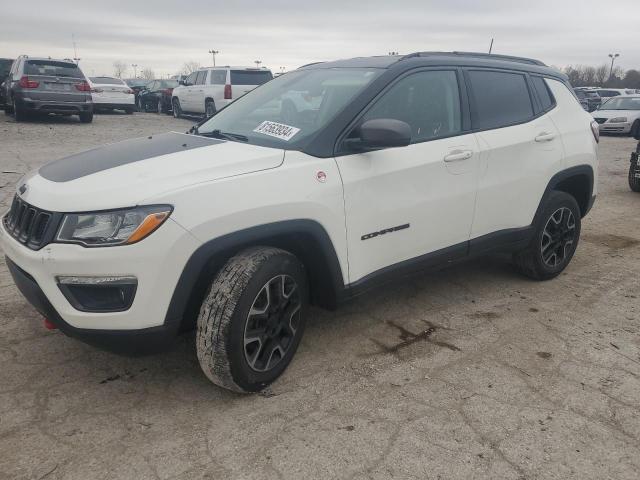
{"type": "Point", "coordinates": [600, 120]}
{"type": "Point", "coordinates": [27, 224]}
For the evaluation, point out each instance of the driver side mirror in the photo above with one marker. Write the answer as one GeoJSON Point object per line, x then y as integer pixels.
{"type": "Point", "coordinates": [382, 133]}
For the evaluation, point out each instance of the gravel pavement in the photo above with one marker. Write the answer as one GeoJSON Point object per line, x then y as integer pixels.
{"type": "Point", "coordinates": [466, 373]}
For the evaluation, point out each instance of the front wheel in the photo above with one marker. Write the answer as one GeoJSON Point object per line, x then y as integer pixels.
{"type": "Point", "coordinates": [175, 105]}
{"type": "Point", "coordinates": [634, 173]}
{"type": "Point", "coordinates": [556, 236]}
{"type": "Point", "coordinates": [252, 319]}
{"type": "Point", "coordinates": [635, 130]}
{"type": "Point", "coordinates": [209, 108]}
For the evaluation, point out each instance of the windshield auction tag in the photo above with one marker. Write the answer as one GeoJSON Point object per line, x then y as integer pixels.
{"type": "Point", "coordinates": [278, 130]}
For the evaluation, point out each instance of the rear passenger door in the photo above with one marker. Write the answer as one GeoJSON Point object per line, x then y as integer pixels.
{"type": "Point", "coordinates": [197, 98]}
{"type": "Point", "coordinates": [520, 148]}
{"type": "Point", "coordinates": [402, 203]}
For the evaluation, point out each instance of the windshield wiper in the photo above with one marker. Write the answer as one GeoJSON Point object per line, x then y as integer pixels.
{"type": "Point", "coordinates": [225, 135]}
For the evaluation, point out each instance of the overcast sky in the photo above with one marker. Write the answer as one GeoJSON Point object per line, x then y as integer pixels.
{"type": "Point", "coordinates": [163, 35]}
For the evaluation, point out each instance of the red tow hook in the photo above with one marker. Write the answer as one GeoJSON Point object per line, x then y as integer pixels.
{"type": "Point", "coordinates": [49, 325]}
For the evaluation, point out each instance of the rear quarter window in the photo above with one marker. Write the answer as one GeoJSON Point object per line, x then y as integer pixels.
{"type": "Point", "coordinates": [52, 68]}
{"type": "Point", "coordinates": [500, 99]}
{"type": "Point", "coordinates": [218, 77]}
{"type": "Point", "coordinates": [544, 95]}
{"type": "Point", "coordinates": [248, 77]}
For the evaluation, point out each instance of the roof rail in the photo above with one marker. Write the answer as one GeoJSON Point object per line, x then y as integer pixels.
{"type": "Point", "coordinates": [507, 58]}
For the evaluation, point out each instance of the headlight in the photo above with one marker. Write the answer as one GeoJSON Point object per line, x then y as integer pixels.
{"type": "Point", "coordinates": [618, 120]}
{"type": "Point", "coordinates": [114, 227]}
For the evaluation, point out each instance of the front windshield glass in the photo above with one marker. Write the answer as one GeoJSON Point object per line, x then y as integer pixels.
{"type": "Point", "coordinates": [621, 103]}
{"type": "Point", "coordinates": [290, 108]}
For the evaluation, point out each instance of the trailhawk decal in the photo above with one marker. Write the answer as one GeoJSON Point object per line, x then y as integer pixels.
{"type": "Point", "coordinates": [277, 130]}
{"type": "Point", "coordinates": [386, 230]}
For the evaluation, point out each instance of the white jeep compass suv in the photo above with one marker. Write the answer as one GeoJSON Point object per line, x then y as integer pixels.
{"type": "Point", "coordinates": [312, 188]}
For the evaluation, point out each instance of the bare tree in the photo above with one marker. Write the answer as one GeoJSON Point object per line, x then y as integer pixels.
{"type": "Point", "coordinates": [588, 75]}
{"type": "Point", "coordinates": [148, 74]}
{"type": "Point", "coordinates": [602, 72]}
{"type": "Point", "coordinates": [119, 68]}
{"type": "Point", "coordinates": [190, 67]}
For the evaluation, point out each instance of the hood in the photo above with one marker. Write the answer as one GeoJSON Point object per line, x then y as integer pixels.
{"type": "Point", "coordinates": [630, 114]}
{"type": "Point", "coordinates": [127, 173]}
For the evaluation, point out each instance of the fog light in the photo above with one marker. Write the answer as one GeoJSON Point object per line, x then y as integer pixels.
{"type": "Point", "coordinates": [99, 294]}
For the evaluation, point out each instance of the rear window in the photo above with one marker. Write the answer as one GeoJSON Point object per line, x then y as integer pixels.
{"type": "Point", "coordinates": [248, 77]}
{"type": "Point", "coordinates": [500, 99]}
{"type": "Point", "coordinates": [540, 86]}
{"type": "Point", "coordinates": [107, 80]}
{"type": "Point", "coordinates": [53, 68]}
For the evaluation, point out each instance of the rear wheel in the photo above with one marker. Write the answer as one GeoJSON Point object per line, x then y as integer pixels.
{"type": "Point", "coordinates": [634, 173]}
{"type": "Point", "coordinates": [86, 117]}
{"type": "Point", "coordinates": [175, 105]}
{"type": "Point", "coordinates": [209, 108]}
{"type": "Point", "coordinates": [555, 239]}
{"type": "Point", "coordinates": [19, 113]}
{"type": "Point", "coordinates": [252, 319]}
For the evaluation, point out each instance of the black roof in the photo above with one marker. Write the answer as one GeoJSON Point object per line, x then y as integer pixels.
{"type": "Point", "coordinates": [417, 59]}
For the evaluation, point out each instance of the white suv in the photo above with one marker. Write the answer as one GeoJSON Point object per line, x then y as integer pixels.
{"type": "Point", "coordinates": [210, 89]}
{"type": "Point", "coordinates": [313, 188]}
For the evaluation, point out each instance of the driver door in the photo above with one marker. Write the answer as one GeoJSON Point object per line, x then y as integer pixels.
{"type": "Point", "coordinates": [408, 202]}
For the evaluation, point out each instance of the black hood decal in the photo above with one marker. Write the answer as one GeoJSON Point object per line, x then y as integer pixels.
{"type": "Point", "coordinates": [122, 153]}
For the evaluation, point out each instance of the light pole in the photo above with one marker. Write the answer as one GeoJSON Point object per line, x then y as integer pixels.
{"type": "Point", "coordinates": [213, 54]}
{"type": "Point", "coordinates": [257, 62]}
{"type": "Point", "coordinates": [613, 59]}
{"type": "Point", "coordinates": [135, 71]}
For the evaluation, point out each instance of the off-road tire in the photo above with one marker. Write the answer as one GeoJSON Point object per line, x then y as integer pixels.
{"type": "Point", "coordinates": [634, 173]}
{"type": "Point", "coordinates": [86, 117]}
{"type": "Point", "coordinates": [530, 261]}
{"type": "Point", "coordinates": [224, 316]}
{"type": "Point", "coordinates": [175, 106]}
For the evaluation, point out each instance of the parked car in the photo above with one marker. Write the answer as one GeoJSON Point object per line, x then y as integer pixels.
{"type": "Point", "coordinates": [210, 89]}
{"type": "Point", "coordinates": [404, 163]}
{"type": "Point", "coordinates": [46, 85]}
{"type": "Point", "coordinates": [110, 93]}
{"type": "Point", "coordinates": [137, 84]}
{"type": "Point", "coordinates": [156, 96]}
{"type": "Point", "coordinates": [619, 115]}
{"type": "Point", "coordinates": [588, 98]}
{"type": "Point", "coordinates": [606, 93]}
{"type": "Point", "coordinates": [5, 66]}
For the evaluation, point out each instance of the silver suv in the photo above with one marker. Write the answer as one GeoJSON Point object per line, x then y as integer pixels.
{"type": "Point", "coordinates": [45, 85]}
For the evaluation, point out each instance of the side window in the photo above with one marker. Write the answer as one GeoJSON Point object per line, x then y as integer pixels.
{"type": "Point", "coordinates": [202, 75]}
{"type": "Point", "coordinates": [544, 95]}
{"type": "Point", "coordinates": [191, 79]}
{"type": "Point", "coordinates": [218, 77]}
{"type": "Point", "coordinates": [151, 87]}
{"type": "Point", "coordinates": [499, 99]}
{"type": "Point", "coordinates": [428, 101]}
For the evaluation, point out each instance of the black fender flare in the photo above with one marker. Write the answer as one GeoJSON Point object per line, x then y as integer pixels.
{"type": "Point", "coordinates": [304, 238]}
{"type": "Point", "coordinates": [563, 175]}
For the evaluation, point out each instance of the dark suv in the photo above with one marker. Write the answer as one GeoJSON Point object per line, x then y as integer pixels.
{"type": "Point", "coordinates": [47, 86]}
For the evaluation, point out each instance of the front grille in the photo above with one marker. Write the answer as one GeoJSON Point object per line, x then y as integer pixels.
{"type": "Point", "coordinates": [600, 120]}
{"type": "Point", "coordinates": [28, 224]}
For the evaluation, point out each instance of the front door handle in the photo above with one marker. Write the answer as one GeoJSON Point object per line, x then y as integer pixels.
{"type": "Point", "coordinates": [545, 137]}
{"type": "Point", "coordinates": [458, 155]}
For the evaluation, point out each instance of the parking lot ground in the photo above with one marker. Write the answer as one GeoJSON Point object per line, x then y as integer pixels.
{"type": "Point", "coordinates": [468, 372]}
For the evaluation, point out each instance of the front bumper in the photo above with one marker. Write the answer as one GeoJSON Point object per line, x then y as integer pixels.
{"type": "Point", "coordinates": [615, 127]}
{"type": "Point", "coordinates": [128, 342]}
{"type": "Point", "coordinates": [156, 263]}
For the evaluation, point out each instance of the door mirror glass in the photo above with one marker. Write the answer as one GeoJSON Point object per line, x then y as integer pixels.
{"type": "Point", "coordinates": [384, 133]}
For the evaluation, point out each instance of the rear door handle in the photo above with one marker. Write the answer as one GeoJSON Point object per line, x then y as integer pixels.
{"type": "Point", "coordinates": [545, 137]}
{"type": "Point", "coordinates": [458, 155]}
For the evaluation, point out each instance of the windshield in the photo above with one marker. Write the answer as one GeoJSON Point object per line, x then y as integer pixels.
{"type": "Point", "coordinates": [167, 83]}
{"type": "Point", "coordinates": [52, 67]}
{"type": "Point", "coordinates": [622, 103]}
{"type": "Point", "coordinates": [294, 106]}
{"type": "Point", "coordinates": [137, 82]}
